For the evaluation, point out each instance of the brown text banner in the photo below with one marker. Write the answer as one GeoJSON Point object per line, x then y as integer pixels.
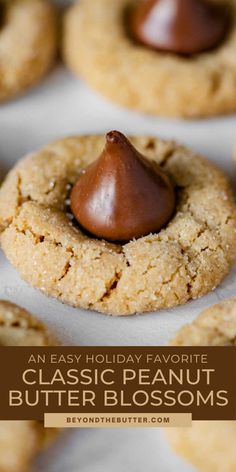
{"type": "Point", "coordinates": [199, 381]}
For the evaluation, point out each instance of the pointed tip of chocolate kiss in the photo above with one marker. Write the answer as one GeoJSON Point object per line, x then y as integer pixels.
{"type": "Point", "coordinates": [118, 146]}
{"type": "Point", "coordinates": [179, 26]}
{"type": "Point", "coordinates": [115, 137]}
{"type": "Point", "coordinates": [122, 195]}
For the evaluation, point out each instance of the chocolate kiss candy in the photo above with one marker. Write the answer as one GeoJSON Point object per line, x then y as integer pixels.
{"type": "Point", "coordinates": [122, 195]}
{"type": "Point", "coordinates": [179, 26]}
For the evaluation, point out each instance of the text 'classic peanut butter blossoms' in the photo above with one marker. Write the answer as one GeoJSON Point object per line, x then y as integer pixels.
{"type": "Point", "coordinates": [164, 57]}
{"type": "Point", "coordinates": [122, 196]}
{"type": "Point", "coordinates": [188, 239]}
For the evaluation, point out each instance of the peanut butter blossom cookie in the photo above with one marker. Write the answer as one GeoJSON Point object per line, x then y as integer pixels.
{"type": "Point", "coordinates": [164, 57]}
{"type": "Point", "coordinates": [28, 37]}
{"type": "Point", "coordinates": [20, 441]}
{"type": "Point", "coordinates": [209, 445]}
{"type": "Point", "coordinates": [116, 225]}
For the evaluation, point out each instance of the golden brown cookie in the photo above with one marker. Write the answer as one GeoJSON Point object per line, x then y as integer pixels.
{"type": "Point", "coordinates": [20, 441]}
{"type": "Point", "coordinates": [185, 260]}
{"type": "Point", "coordinates": [19, 328]}
{"type": "Point", "coordinates": [209, 445]}
{"type": "Point", "coordinates": [28, 43]}
{"type": "Point", "coordinates": [98, 49]}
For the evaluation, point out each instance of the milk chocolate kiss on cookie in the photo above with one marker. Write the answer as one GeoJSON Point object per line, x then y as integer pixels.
{"type": "Point", "coordinates": [179, 26]}
{"type": "Point", "coordinates": [122, 195]}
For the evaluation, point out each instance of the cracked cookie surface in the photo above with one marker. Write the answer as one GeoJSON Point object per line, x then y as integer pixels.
{"type": "Point", "coordinates": [98, 49]}
{"type": "Point", "coordinates": [185, 260]}
{"type": "Point", "coordinates": [28, 43]}
{"type": "Point", "coordinates": [20, 441]}
{"type": "Point", "coordinates": [210, 446]}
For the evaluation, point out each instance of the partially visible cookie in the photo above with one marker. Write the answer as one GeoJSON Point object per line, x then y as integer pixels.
{"type": "Point", "coordinates": [20, 441]}
{"type": "Point", "coordinates": [19, 328]}
{"type": "Point", "coordinates": [98, 48]}
{"type": "Point", "coordinates": [28, 44]}
{"type": "Point", "coordinates": [209, 445]}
